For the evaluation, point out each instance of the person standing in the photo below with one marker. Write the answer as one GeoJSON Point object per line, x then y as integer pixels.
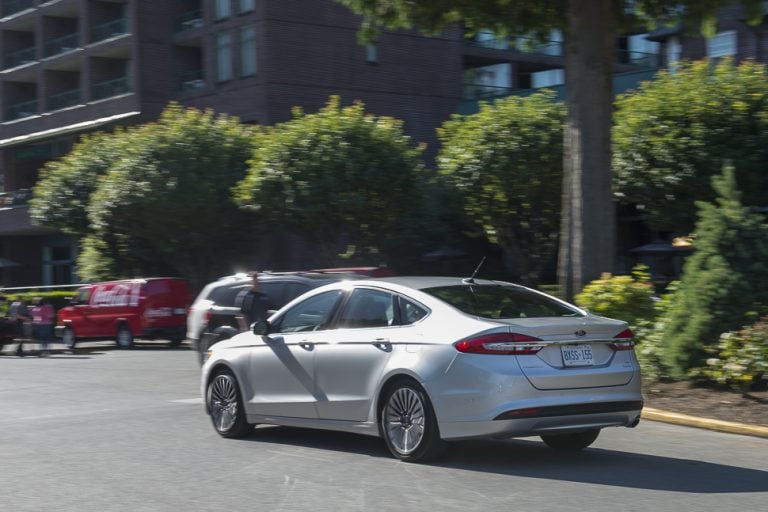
{"type": "Point", "coordinates": [19, 312]}
{"type": "Point", "coordinates": [253, 303]}
{"type": "Point", "coordinates": [42, 324]}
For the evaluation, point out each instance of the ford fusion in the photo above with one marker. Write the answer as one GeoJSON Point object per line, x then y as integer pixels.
{"type": "Point", "coordinates": [421, 361]}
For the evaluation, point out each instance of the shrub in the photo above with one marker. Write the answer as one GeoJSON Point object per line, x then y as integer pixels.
{"type": "Point", "coordinates": [628, 298]}
{"type": "Point", "coordinates": [740, 359]}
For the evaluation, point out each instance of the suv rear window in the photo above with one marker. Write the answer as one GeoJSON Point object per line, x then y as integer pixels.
{"type": "Point", "coordinates": [225, 296]}
{"type": "Point", "coordinates": [500, 301]}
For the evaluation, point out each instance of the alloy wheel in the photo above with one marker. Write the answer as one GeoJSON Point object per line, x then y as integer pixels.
{"type": "Point", "coordinates": [222, 400]}
{"type": "Point", "coordinates": [404, 420]}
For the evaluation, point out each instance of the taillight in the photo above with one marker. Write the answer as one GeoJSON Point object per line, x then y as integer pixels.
{"type": "Point", "coordinates": [208, 315]}
{"type": "Point", "coordinates": [503, 343]}
{"type": "Point", "coordinates": [624, 340]}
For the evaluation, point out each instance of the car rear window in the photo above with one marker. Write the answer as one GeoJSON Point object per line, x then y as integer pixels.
{"type": "Point", "coordinates": [225, 295]}
{"type": "Point", "coordinates": [500, 301]}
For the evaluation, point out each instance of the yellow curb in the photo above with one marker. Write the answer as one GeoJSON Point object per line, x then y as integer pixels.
{"type": "Point", "coordinates": [707, 423]}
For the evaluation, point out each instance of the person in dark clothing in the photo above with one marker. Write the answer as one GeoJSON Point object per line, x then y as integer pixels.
{"type": "Point", "coordinates": [19, 312]}
{"type": "Point", "coordinates": [253, 304]}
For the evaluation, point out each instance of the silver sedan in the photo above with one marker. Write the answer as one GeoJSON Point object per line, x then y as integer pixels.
{"type": "Point", "coordinates": [421, 361]}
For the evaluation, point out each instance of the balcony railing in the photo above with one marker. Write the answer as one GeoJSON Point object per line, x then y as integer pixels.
{"type": "Point", "coordinates": [18, 197]}
{"type": "Point", "coordinates": [21, 110]}
{"type": "Point", "coordinates": [484, 92]}
{"type": "Point", "coordinates": [646, 60]}
{"type": "Point", "coordinates": [189, 20]}
{"type": "Point", "coordinates": [62, 44]}
{"type": "Point", "coordinates": [109, 29]}
{"type": "Point", "coordinates": [192, 80]}
{"type": "Point", "coordinates": [110, 88]}
{"type": "Point", "coordinates": [63, 99]}
{"type": "Point", "coordinates": [14, 6]}
{"type": "Point", "coordinates": [20, 57]}
{"type": "Point", "coordinates": [520, 44]}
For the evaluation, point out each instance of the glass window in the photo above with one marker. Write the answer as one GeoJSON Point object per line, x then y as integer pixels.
{"type": "Point", "coordinates": [247, 51]}
{"type": "Point", "coordinates": [309, 315]}
{"type": "Point", "coordinates": [223, 9]}
{"type": "Point", "coordinates": [224, 57]}
{"type": "Point", "coordinates": [247, 5]}
{"type": "Point", "coordinates": [81, 297]}
{"type": "Point", "coordinates": [410, 312]}
{"type": "Point", "coordinates": [501, 301]}
{"type": "Point", "coordinates": [225, 296]}
{"type": "Point", "coordinates": [372, 54]}
{"type": "Point", "coordinates": [367, 308]}
{"type": "Point", "coordinates": [547, 78]}
{"type": "Point", "coordinates": [722, 44]}
{"type": "Point", "coordinates": [674, 52]}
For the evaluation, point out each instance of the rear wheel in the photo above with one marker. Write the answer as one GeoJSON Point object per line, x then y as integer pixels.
{"type": "Point", "coordinates": [68, 338]}
{"type": "Point", "coordinates": [124, 336]}
{"type": "Point", "coordinates": [571, 442]}
{"type": "Point", "coordinates": [226, 406]}
{"type": "Point", "coordinates": [408, 423]}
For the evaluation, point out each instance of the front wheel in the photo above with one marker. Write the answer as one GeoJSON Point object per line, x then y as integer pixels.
{"type": "Point", "coordinates": [408, 423]}
{"type": "Point", "coordinates": [124, 336]}
{"type": "Point", "coordinates": [571, 442]}
{"type": "Point", "coordinates": [68, 338]}
{"type": "Point", "coordinates": [226, 406]}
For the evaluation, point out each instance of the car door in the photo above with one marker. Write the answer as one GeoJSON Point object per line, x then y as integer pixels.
{"type": "Point", "coordinates": [281, 365]}
{"type": "Point", "coordinates": [349, 364]}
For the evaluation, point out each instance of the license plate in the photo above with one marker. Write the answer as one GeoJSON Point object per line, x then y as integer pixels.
{"type": "Point", "coordinates": [577, 355]}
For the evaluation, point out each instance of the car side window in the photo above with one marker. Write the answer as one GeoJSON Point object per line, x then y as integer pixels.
{"type": "Point", "coordinates": [410, 312]}
{"type": "Point", "coordinates": [82, 296]}
{"type": "Point", "coordinates": [367, 308]}
{"type": "Point", "coordinates": [311, 314]}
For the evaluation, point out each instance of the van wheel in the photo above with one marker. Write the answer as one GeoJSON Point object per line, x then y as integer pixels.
{"type": "Point", "coordinates": [68, 338]}
{"type": "Point", "coordinates": [124, 337]}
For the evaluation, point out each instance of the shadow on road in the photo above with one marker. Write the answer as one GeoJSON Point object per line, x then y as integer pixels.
{"type": "Point", "coordinates": [532, 459]}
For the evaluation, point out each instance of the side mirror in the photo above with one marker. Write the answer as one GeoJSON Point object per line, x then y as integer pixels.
{"type": "Point", "coordinates": [261, 328]}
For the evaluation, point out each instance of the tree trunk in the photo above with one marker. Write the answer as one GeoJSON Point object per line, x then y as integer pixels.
{"type": "Point", "coordinates": [588, 224]}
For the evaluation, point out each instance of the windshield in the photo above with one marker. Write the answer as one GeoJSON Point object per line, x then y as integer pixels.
{"type": "Point", "coordinates": [500, 301]}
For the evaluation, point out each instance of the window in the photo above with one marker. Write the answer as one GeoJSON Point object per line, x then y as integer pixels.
{"type": "Point", "coordinates": [223, 9]}
{"type": "Point", "coordinates": [548, 78]}
{"type": "Point", "coordinates": [410, 313]}
{"type": "Point", "coordinates": [247, 5]}
{"type": "Point", "coordinates": [367, 308]}
{"type": "Point", "coordinates": [674, 52]}
{"type": "Point", "coordinates": [721, 44]}
{"type": "Point", "coordinates": [311, 314]}
{"type": "Point", "coordinates": [224, 57]}
{"type": "Point", "coordinates": [248, 51]}
{"type": "Point", "coordinates": [372, 54]}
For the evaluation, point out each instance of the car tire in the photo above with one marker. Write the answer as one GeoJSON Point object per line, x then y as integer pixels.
{"type": "Point", "coordinates": [124, 336]}
{"type": "Point", "coordinates": [68, 338]}
{"type": "Point", "coordinates": [571, 442]}
{"type": "Point", "coordinates": [408, 423]}
{"type": "Point", "coordinates": [225, 406]}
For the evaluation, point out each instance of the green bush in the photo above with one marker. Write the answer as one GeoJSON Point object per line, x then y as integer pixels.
{"type": "Point", "coordinates": [628, 298]}
{"type": "Point", "coordinates": [740, 359]}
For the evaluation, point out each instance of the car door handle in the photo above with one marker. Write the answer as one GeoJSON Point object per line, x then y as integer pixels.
{"type": "Point", "coordinates": [382, 343]}
{"type": "Point", "coordinates": [306, 345]}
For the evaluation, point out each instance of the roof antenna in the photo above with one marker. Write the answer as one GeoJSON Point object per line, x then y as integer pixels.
{"type": "Point", "coordinates": [471, 279]}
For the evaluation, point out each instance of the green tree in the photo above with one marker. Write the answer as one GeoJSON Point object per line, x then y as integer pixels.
{"type": "Point", "coordinates": [164, 206]}
{"type": "Point", "coordinates": [345, 181]}
{"type": "Point", "coordinates": [62, 193]}
{"type": "Point", "coordinates": [677, 131]}
{"type": "Point", "coordinates": [506, 161]}
{"type": "Point", "coordinates": [590, 28]}
{"type": "Point", "coordinates": [725, 281]}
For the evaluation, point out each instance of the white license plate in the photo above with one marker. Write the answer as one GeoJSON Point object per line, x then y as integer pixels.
{"type": "Point", "coordinates": [577, 355]}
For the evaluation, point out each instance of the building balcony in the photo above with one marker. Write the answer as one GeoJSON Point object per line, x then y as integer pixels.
{"type": "Point", "coordinates": [110, 88]}
{"type": "Point", "coordinates": [20, 57]}
{"type": "Point", "coordinates": [109, 30]}
{"type": "Point", "coordinates": [519, 45]}
{"type": "Point", "coordinates": [21, 110]}
{"type": "Point", "coordinates": [15, 198]}
{"type": "Point", "coordinates": [190, 20]}
{"type": "Point", "coordinates": [64, 99]}
{"type": "Point", "coordinates": [62, 44]}
{"type": "Point", "coordinates": [478, 92]}
{"type": "Point", "coordinates": [11, 7]}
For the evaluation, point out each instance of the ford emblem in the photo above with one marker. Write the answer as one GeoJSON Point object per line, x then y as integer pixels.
{"type": "Point", "coordinates": [580, 333]}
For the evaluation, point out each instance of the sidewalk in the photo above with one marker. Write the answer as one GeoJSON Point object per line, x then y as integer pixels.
{"type": "Point", "coordinates": [705, 423]}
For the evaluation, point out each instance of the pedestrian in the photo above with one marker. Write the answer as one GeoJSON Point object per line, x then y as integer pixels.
{"type": "Point", "coordinates": [42, 324]}
{"type": "Point", "coordinates": [19, 313]}
{"type": "Point", "coordinates": [253, 303]}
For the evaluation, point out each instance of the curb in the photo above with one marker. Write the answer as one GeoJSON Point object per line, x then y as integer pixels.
{"type": "Point", "coordinates": [705, 423]}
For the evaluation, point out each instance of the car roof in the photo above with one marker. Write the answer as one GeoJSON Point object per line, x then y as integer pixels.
{"type": "Point", "coordinates": [422, 282]}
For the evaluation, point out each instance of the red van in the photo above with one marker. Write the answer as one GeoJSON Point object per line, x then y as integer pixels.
{"type": "Point", "coordinates": [122, 310]}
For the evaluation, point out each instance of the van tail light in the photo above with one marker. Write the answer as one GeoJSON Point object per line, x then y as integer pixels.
{"type": "Point", "coordinates": [503, 343]}
{"type": "Point", "coordinates": [624, 340]}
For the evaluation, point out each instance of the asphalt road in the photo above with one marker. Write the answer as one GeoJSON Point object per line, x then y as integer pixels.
{"type": "Point", "coordinates": [110, 430]}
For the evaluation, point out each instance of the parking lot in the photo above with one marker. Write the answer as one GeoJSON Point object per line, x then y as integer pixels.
{"type": "Point", "coordinates": [107, 429]}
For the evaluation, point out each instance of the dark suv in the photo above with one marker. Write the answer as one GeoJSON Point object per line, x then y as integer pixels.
{"type": "Point", "coordinates": [214, 315]}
